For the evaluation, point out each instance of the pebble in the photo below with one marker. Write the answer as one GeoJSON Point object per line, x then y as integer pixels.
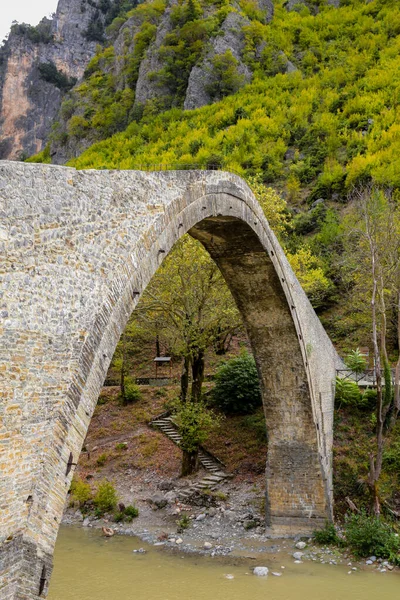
{"type": "Point", "coordinates": [298, 555]}
{"type": "Point", "coordinates": [179, 541]}
{"type": "Point", "coordinates": [260, 571]}
{"type": "Point", "coordinates": [298, 562]}
{"type": "Point", "coordinates": [207, 545]}
{"type": "Point", "coordinates": [201, 517]}
{"type": "Point", "coordinates": [229, 576]}
{"type": "Point", "coordinates": [276, 574]}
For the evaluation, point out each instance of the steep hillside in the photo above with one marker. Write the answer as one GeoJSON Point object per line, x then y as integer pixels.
{"type": "Point", "coordinates": [319, 116]}
{"type": "Point", "coordinates": [38, 65]}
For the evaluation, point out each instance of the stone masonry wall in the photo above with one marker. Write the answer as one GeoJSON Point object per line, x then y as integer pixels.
{"type": "Point", "coordinates": [75, 247]}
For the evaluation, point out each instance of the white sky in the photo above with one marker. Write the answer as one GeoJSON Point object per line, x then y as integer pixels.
{"type": "Point", "coordinates": [23, 11]}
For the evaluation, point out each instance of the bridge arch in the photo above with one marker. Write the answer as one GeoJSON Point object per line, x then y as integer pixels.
{"type": "Point", "coordinates": [79, 248]}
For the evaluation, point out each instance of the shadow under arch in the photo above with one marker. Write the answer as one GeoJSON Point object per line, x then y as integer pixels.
{"type": "Point", "coordinates": [294, 357]}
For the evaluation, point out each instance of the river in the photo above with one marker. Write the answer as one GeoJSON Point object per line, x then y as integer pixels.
{"type": "Point", "coordinates": [88, 566]}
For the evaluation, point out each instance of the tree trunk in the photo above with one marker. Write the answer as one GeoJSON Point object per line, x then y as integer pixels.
{"type": "Point", "coordinates": [198, 376]}
{"type": "Point", "coordinates": [376, 461]}
{"type": "Point", "coordinates": [158, 349]}
{"type": "Point", "coordinates": [185, 378]}
{"type": "Point", "coordinates": [122, 373]}
{"type": "Point", "coordinates": [396, 410]}
{"type": "Point", "coordinates": [189, 462]}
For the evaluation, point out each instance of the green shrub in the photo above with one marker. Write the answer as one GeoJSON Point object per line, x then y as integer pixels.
{"type": "Point", "coordinates": [80, 492]}
{"type": "Point", "coordinates": [327, 535]}
{"type": "Point", "coordinates": [366, 535]}
{"type": "Point", "coordinates": [131, 512]}
{"type": "Point", "coordinates": [183, 522]}
{"type": "Point", "coordinates": [225, 77]}
{"type": "Point", "coordinates": [49, 72]}
{"type": "Point", "coordinates": [101, 460]}
{"type": "Point", "coordinates": [106, 497]}
{"type": "Point", "coordinates": [237, 387]}
{"type": "Point", "coordinates": [121, 446]}
{"type": "Point", "coordinates": [391, 458]}
{"type": "Point", "coordinates": [126, 514]}
{"type": "Point", "coordinates": [368, 399]}
{"type": "Point", "coordinates": [356, 361]}
{"type": "Point", "coordinates": [347, 393]}
{"type": "Point", "coordinates": [119, 516]}
{"type": "Point", "coordinates": [132, 392]}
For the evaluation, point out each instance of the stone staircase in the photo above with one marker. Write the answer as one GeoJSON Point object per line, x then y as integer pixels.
{"type": "Point", "coordinates": [212, 464]}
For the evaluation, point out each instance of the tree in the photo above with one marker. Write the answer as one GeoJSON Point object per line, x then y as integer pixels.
{"type": "Point", "coordinates": [237, 387]}
{"type": "Point", "coordinates": [120, 362]}
{"type": "Point", "coordinates": [225, 76]}
{"type": "Point", "coordinates": [373, 253]}
{"type": "Point", "coordinates": [195, 423]}
{"type": "Point", "coordinates": [189, 307]}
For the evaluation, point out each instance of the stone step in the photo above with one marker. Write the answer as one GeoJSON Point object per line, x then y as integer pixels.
{"type": "Point", "coordinates": [215, 478]}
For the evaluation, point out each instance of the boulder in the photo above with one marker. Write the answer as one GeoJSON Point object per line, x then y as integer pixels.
{"type": "Point", "coordinates": [260, 571]}
{"type": "Point", "coordinates": [158, 501]}
{"type": "Point", "coordinates": [301, 545]}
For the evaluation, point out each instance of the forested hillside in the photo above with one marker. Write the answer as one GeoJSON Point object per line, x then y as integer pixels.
{"type": "Point", "coordinates": [300, 96]}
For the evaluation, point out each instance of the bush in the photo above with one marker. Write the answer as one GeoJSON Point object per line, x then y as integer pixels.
{"type": "Point", "coordinates": [80, 492]}
{"type": "Point", "coordinates": [347, 393]}
{"type": "Point", "coordinates": [368, 399]}
{"type": "Point", "coordinates": [327, 535]}
{"type": "Point", "coordinates": [49, 72]}
{"type": "Point", "coordinates": [367, 535]}
{"type": "Point", "coordinates": [131, 512]}
{"type": "Point", "coordinates": [101, 460]}
{"type": "Point", "coordinates": [183, 523]}
{"type": "Point", "coordinates": [195, 423]}
{"type": "Point", "coordinates": [119, 516]}
{"type": "Point", "coordinates": [237, 387]}
{"type": "Point", "coordinates": [106, 497]}
{"type": "Point", "coordinates": [391, 458]}
{"type": "Point", "coordinates": [132, 392]}
{"type": "Point", "coordinates": [126, 514]}
{"type": "Point", "coordinates": [356, 361]}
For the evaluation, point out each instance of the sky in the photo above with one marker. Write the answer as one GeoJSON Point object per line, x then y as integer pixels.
{"type": "Point", "coordinates": [23, 11]}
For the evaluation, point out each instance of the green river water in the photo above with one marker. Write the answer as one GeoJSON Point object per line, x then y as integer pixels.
{"type": "Point", "coordinates": [90, 567]}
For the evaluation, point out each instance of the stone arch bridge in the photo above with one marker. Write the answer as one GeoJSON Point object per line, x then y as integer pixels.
{"type": "Point", "coordinates": [76, 250]}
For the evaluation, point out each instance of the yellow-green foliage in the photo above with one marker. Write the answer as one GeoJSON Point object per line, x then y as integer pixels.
{"type": "Point", "coordinates": [310, 272]}
{"type": "Point", "coordinates": [338, 111]}
{"type": "Point", "coordinates": [106, 497]}
{"type": "Point", "coordinates": [80, 492]}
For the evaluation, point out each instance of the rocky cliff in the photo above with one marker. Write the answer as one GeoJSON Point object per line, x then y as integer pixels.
{"type": "Point", "coordinates": [98, 65]}
{"type": "Point", "coordinates": [37, 65]}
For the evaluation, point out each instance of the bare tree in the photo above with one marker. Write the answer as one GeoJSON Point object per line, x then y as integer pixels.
{"type": "Point", "coordinates": [375, 245]}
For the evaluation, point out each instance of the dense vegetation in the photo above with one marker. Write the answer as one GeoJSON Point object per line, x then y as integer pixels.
{"type": "Point", "coordinates": [319, 118]}
{"type": "Point", "coordinates": [320, 123]}
{"type": "Point", "coordinates": [336, 113]}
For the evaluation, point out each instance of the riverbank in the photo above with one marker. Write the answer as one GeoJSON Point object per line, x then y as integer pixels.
{"type": "Point", "coordinates": [221, 532]}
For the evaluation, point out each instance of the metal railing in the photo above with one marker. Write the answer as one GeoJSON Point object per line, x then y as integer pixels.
{"type": "Point", "coordinates": [366, 376]}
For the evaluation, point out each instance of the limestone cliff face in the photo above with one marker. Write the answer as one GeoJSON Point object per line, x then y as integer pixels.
{"type": "Point", "coordinates": [146, 65]}
{"type": "Point", "coordinates": [28, 103]}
